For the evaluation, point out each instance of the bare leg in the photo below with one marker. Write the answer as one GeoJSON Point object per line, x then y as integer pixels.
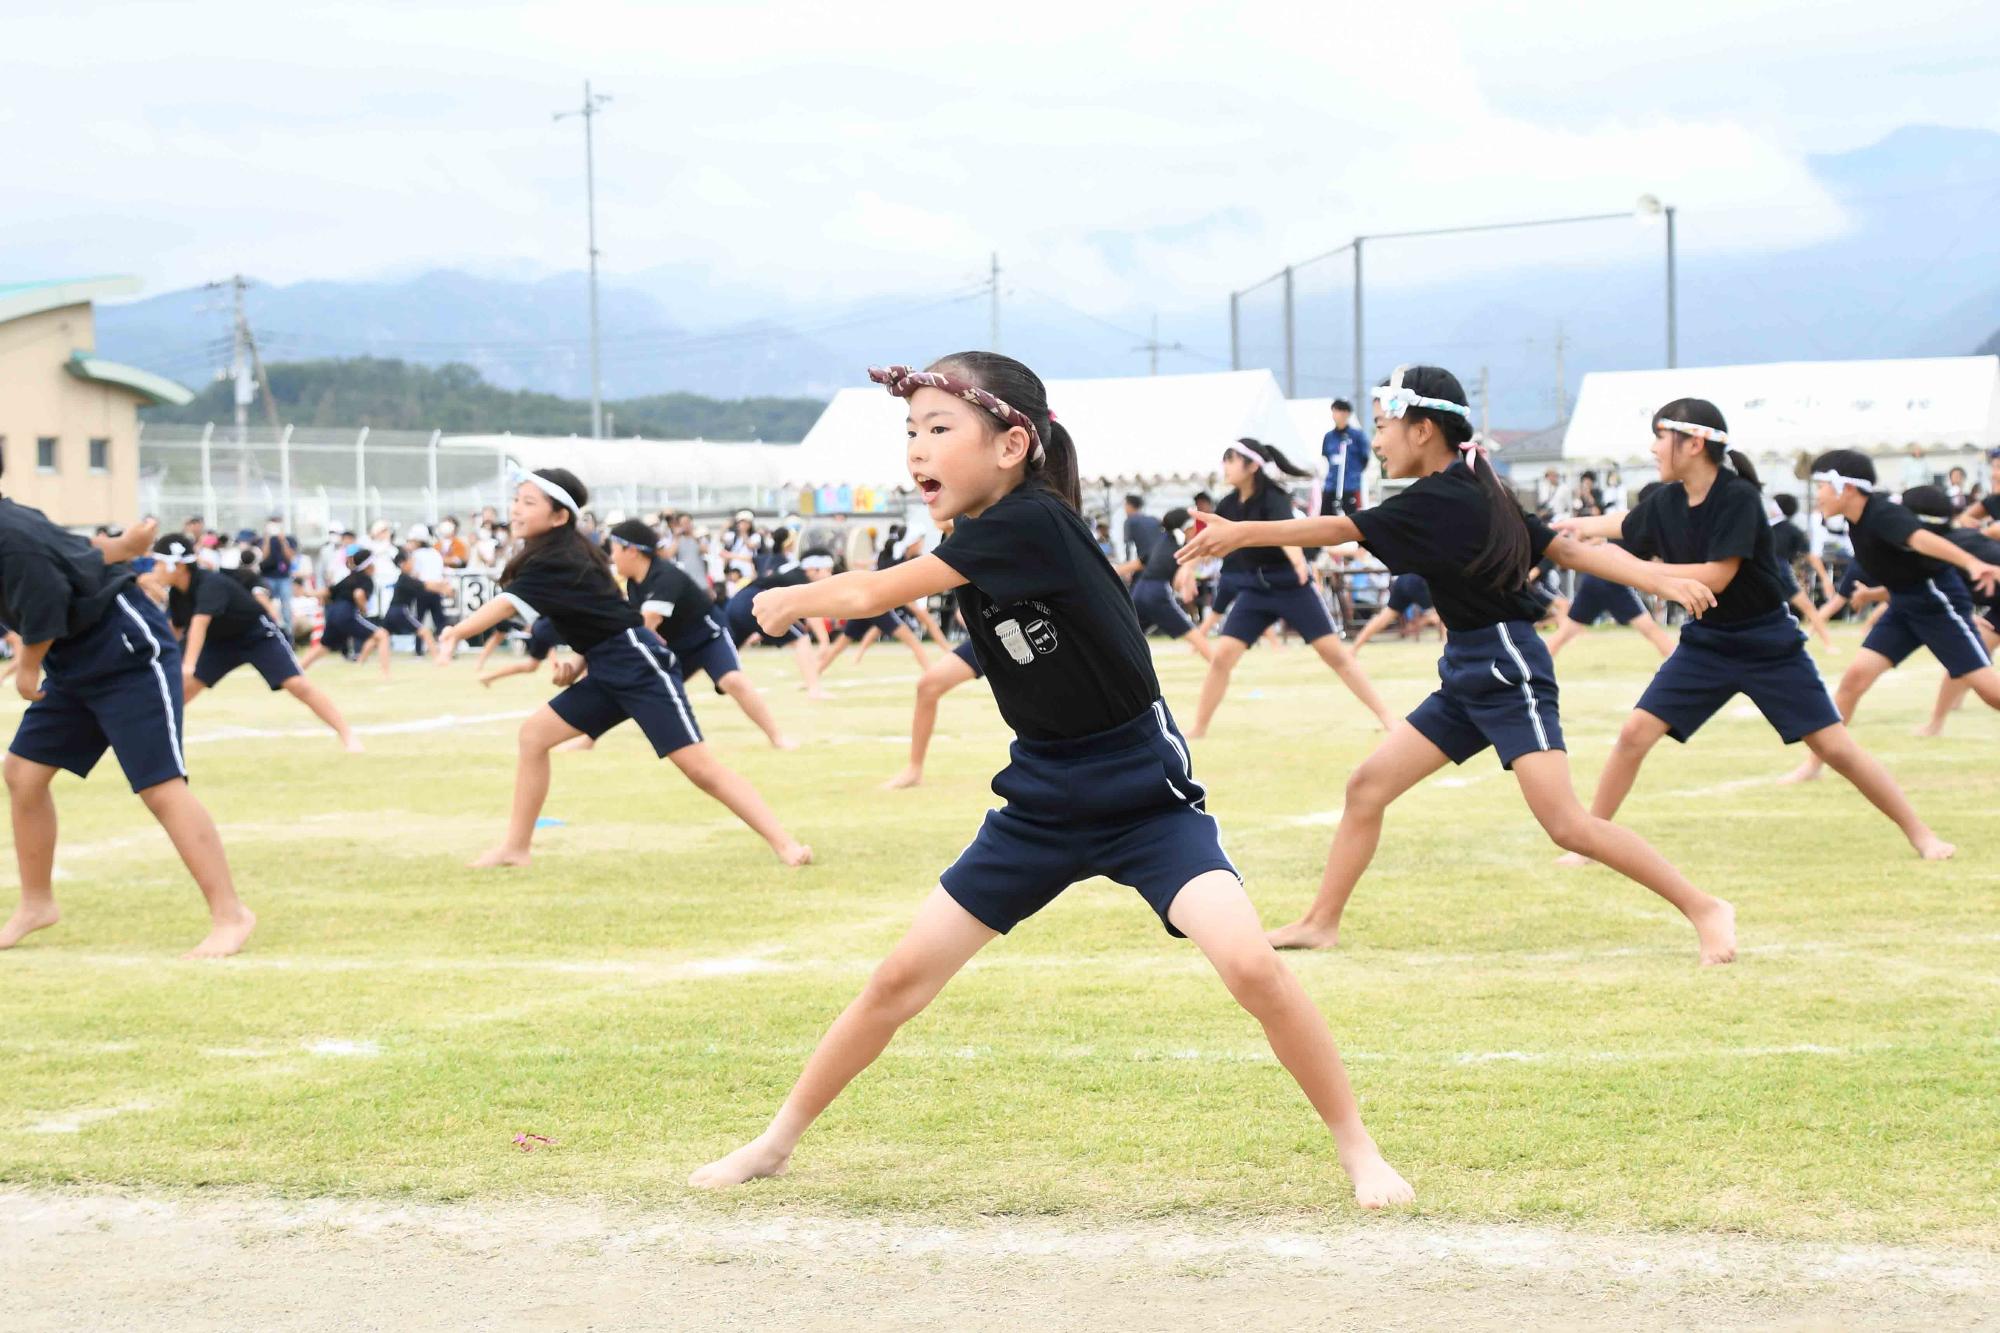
{"type": "Point", "coordinates": [526, 666]}
{"type": "Point", "coordinates": [942, 678]}
{"type": "Point", "coordinates": [1951, 693]}
{"type": "Point", "coordinates": [1544, 779]}
{"type": "Point", "coordinates": [1636, 739]}
{"type": "Point", "coordinates": [313, 653]}
{"type": "Point", "coordinates": [1861, 675]}
{"type": "Point", "coordinates": [738, 687]}
{"type": "Point", "coordinates": [34, 812]}
{"type": "Point", "coordinates": [541, 733]}
{"type": "Point", "coordinates": [1227, 653]}
{"type": "Point", "coordinates": [1836, 746]}
{"type": "Point", "coordinates": [809, 668]}
{"type": "Point", "coordinates": [190, 687]}
{"type": "Point", "coordinates": [833, 650]}
{"type": "Point", "coordinates": [1341, 658]}
{"type": "Point", "coordinates": [193, 835]}
{"type": "Point", "coordinates": [1202, 648]}
{"type": "Point", "coordinates": [493, 641]}
{"type": "Point", "coordinates": [1213, 911]}
{"type": "Point", "coordinates": [1399, 763]}
{"type": "Point", "coordinates": [379, 640]}
{"type": "Point", "coordinates": [1566, 631]}
{"type": "Point", "coordinates": [1378, 622]}
{"type": "Point", "coordinates": [942, 939]}
{"type": "Point", "coordinates": [1654, 633]}
{"type": "Point", "coordinates": [908, 639]}
{"type": "Point", "coordinates": [323, 707]}
{"type": "Point", "coordinates": [867, 641]}
{"type": "Point", "coordinates": [699, 764]}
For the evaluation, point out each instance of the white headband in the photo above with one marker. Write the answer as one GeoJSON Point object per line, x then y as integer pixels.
{"type": "Point", "coordinates": [1837, 481]}
{"type": "Point", "coordinates": [1257, 460]}
{"type": "Point", "coordinates": [816, 562]}
{"type": "Point", "coordinates": [169, 558]}
{"type": "Point", "coordinates": [1397, 400]}
{"type": "Point", "coordinates": [1689, 428]}
{"type": "Point", "coordinates": [553, 491]}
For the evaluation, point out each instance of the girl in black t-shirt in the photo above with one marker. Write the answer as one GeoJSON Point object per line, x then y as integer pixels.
{"type": "Point", "coordinates": [626, 671]}
{"type": "Point", "coordinates": [1930, 605]}
{"type": "Point", "coordinates": [1459, 526]}
{"type": "Point", "coordinates": [1262, 587]}
{"type": "Point", "coordinates": [1099, 780]}
{"type": "Point", "coordinates": [896, 622]}
{"type": "Point", "coordinates": [1707, 522]}
{"type": "Point", "coordinates": [347, 623]}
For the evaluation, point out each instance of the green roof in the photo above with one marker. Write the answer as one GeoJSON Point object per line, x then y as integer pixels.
{"type": "Point", "coordinates": [157, 388]}
{"type": "Point", "coordinates": [18, 300]}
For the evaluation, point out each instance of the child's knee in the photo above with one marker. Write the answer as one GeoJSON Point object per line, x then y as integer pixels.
{"type": "Point", "coordinates": [1637, 735]}
{"type": "Point", "coordinates": [896, 991]}
{"type": "Point", "coordinates": [1257, 978]}
{"type": "Point", "coordinates": [1573, 830]}
{"type": "Point", "coordinates": [25, 778]}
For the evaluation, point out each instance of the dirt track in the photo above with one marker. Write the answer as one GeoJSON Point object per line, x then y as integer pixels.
{"type": "Point", "coordinates": [105, 1262]}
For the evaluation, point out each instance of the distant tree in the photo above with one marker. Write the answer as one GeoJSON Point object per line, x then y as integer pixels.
{"type": "Point", "coordinates": [395, 395]}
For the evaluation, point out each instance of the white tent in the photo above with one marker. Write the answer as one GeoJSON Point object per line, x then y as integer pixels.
{"type": "Point", "coordinates": [1139, 429]}
{"type": "Point", "coordinates": [614, 464]}
{"type": "Point", "coordinates": [1784, 408]}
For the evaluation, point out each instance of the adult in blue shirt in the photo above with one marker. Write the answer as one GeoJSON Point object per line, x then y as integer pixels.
{"type": "Point", "coordinates": [1345, 450]}
{"type": "Point", "coordinates": [1142, 530]}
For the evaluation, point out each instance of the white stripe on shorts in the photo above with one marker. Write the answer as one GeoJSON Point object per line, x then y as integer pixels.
{"type": "Point", "coordinates": [160, 675]}
{"type": "Point", "coordinates": [1527, 691]}
{"type": "Point", "coordinates": [1952, 611]}
{"type": "Point", "coordinates": [680, 703]}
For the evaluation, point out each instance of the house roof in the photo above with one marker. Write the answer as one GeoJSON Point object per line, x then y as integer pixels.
{"type": "Point", "coordinates": [155, 388]}
{"type": "Point", "coordinates": [18, 300]}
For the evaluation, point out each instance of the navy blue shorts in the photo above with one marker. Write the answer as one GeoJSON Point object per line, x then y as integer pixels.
{"type": "Point", "coordinates": [887, 624]}
{"type": "Point", "coordinates": [401, 620]}
{"type": "Point", "coordinates": [346, 626]}
{"type": "Point", "coordinates": [543, 639]}
{"type": "Point", "coordinates": [1122, 804]}
{"type": "Point", "coordinates": [964, 653]}
{"type": "Point", "coordinates": [1937, 615]}
{"type": "Point", "coordinates": [430, 606]}
{"type": "Point", "coordinates": [117, 685]}
{"type": "Point", "coordinates": [1993, 616]}
{"type": "Point", "coordinates": [707, 649]}
{"type": "Point", "coordinates": [742, 624]}
{"type": "Point", "coordinates": [1765, 658]}
{"type": "Point", "coordinates": [1409, 590]}
{"type": "Point", "coordinates": [1159, 609]}
{"type": "Point", "coordinates": [1497, 687]}
{"type": "Point", "coordinates": [1255, 606]}
{"type": "Point", "coordinates": [1791, 579]}
{"type": "Point", "coordinates": [265, 648]}
{"type": "Point", "coordinates": [1596, 598]}
{"type": "Point", "coordinates": [631, 675]}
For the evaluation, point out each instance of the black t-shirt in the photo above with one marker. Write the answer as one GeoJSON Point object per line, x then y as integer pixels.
{"type": "Point", "coordinates": [53, 583]}
{"type": "Point", "coordinates": [787, 575]}
{"type": "Point", "coordinates": [1160, 563]}
{"type": "Point", "coordinates": [232, 610]}
{"type": "Point", "coordinates": [1435, 527]}
{"type": "Point", "coordinates": [584, 607]}
{"type": "Point", "coordinates": [1980, 547]}
{"type": "Point", "coordinates": [1990, 507]}
{"type": "Point", "coordinates": [1271, 504]}
{"type": "Point", "coordinates": [1142, 534]}
{"type": "Point", "coordinates": [1881, 539]}
{"type": "Point", "coordinates": [342, 593]}
{"type": "Point", "coordinates": [404, 593]}
{"type": "Point", "coordinates": [1788, 542]}
{"type": "Point", "coordinates": [1051, 622]}
{"type": "Point", "coordinates": [1728, 524]}
{"type": "Point", "coordinates": [669, 593]}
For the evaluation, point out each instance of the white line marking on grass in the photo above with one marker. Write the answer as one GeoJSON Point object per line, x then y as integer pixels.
{"type": "Point", "coordinates": [415, 726]}
{"type": "Point", "coordinates": [339, 1046]}
{"type": "Point", "coordinates": [74, 1122]}
{"type": "Point", "coordinates": [1318, 819]}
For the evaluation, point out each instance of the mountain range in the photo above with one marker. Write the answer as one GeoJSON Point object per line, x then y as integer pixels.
{"type": "Point", "coordinates": [1915, 272]}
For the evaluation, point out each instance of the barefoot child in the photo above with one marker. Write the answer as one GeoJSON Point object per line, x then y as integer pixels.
{"type": "Point", "coordinates": [1407, 593]}
{"type": "Point", "coordinates": [1263, 587]}
{"type": "Point", "coordinates": [1099, 781]}
{"type": "Point", "coordinates": [1162, 586]}
{"type": "Point", "coordinates": [222, 627]}
{"type": "Point", "coordinates": [406, 596]}
{"type": "Point", "coordinates": [783, 572]}
{"type": "Point", "coordinates": [1460, 527]}
{"type": "Point", "coordinates": [1933, 506]}
{"type": "Point", "coordinates": [1928, 603]}
{"type": "Point", "coordinates": [114, 680]}
{"type": "Point", "coordinates": [1707, 522]}
{"type": "Point", "coordinates": [1597, 598]}
{"type": "Point", "coordinates": [682, 613]}
{"type": "Point", "coordinates": [626, 671]}
{"type": "Point", "coordinates": [347, 619]}
{"type": "Point", "coordinates": [949, 672]}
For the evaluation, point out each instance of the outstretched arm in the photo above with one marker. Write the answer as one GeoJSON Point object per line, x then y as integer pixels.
{"type": "Point", "coordinates": [130, 544]}
{"type": "Point", "coordinates": [855, 595]}
{"type": "Point", "coordinates": [1937, 548]}
{"type": "Point", "coordinates": [1608, 562]}
{"type": "Point", "coordinates": [1220, 536]}
{"type": "Point", "coordinates": [1598, 525]}
{"type": "Point", "coordinates": [496, 612]}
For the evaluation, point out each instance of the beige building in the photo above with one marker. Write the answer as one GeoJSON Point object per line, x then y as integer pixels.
{"type": "Point", "coordinates": [69, 420]}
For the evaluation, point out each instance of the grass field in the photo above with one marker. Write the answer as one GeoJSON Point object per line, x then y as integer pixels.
{"type": "Point", "coordinates": [1530, 1045]}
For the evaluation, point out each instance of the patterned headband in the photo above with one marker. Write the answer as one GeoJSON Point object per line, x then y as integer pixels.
{"type": "Point", "coordinates": [902, 381]}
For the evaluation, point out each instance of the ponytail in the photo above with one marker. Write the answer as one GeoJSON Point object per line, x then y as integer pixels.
{"type": "Point", "coordinates": [1057, 470]}
{"type": "Point", "coordinates": [1743, 466]}
{"type": "Point", "coordinates": [1505, 552]}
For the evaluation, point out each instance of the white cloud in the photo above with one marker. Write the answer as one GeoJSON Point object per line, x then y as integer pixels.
{"type": "Point", "coordinates": [826, 151]}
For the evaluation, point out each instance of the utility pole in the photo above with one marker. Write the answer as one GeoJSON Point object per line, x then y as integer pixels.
{"type": "Point", "coordinates": [1235, 339]}
{"type": "Point", "coordinates": [993, 296]}
{"type": "Point", "coordinates": [1291, 341]}
{"type": "Point", "coordinates": [592, 103]}
{"type": "Point", "coordinates": [240, 346]}
{"type": "Point", "coordinates": [1485, 421]}
{"type": "Point", "coordinates": [1153, 347]}
{"type": "Point", "coordinates": [1562, 381]}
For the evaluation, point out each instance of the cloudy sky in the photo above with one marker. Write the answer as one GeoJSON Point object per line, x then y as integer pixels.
{"type": "Point", "coordinates": [791, 153]}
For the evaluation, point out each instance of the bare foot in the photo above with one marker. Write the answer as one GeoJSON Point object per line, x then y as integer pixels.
{"type": "Point", "coordinates": [1376, 1183]}
{"type": "Point", "coordinates": [1929, 729]}
{"type": "Point", "coordinates": [1806, 772]}
{"type": "Point", "coordinates": [500, 856]}
{"type": "Point", "coordinates": [783, 743]}
{"type": "Point", "coordinates": [225, 937]}
{"type": "Point", "coordinates": [904, 780]}
{"type": "Point", "coordinates": [351, 744]}
{"type": "Point", "coordinates": [1197, 735]}
{"type": "Point", "coordinates": [1304, 935]}
{"type": "Point", "coordinates": [486, 680]}
{"type": "Point", "coordinates": [795, 854]}
{"type": "Point", "coordinates": [820, 695]}
{"type": "Point", "coordinates": [755, 1160]}
{"type": "Point", "coordinates": [1573, 860]}
{"type": "Point", "coordinates": [1715, 925]}
{"type": "Point", "coordinates": [26, 921]}
{"type": "Point", "coordinates": [1930, 846]}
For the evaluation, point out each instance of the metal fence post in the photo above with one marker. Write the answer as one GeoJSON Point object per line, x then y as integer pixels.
{"type": "Point", "coordinates": [436, 435]}
{"type": "Point", "coordinates": [207, 481]}
{"type": "Point", "coordinates": [361, 483]}
{"type": "Point", "coordinates": [285, 480]}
